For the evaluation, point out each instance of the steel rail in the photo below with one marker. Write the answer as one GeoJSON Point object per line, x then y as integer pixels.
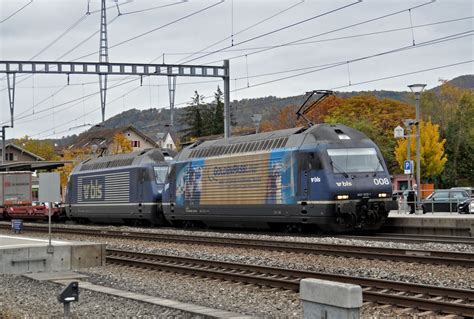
{"type": "Point", "coordinates": [422, 297]}
{"type": "Point", "coordinates": [377, 253]}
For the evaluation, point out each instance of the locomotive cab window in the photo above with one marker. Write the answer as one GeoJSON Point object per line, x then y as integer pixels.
{"type": "Point", "coordinates": [354, 160]}
{"type": "Point", "coordinates": [315, 161]}
{"type": "Point", "coordinates": [160, 174]}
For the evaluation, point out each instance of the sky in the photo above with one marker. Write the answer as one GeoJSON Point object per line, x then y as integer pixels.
{"type": "Point", "coordinates": [279, 48]}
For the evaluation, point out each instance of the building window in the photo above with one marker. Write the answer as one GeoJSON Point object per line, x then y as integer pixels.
{"type": "Point", "coordinates": [9, 156]}
{"type": "Point", "coordinates": [135, 143]}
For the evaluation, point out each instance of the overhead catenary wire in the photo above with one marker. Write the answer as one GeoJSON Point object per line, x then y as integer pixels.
{"type": "Point", "coordinates": [277, 30]}
{"type": "Point", "coordinates": [321, 40]}
{"type": "Point", "coordinates": [319, 68]}
{"type": "Point", "coordinates": [404, 48]}
{"type": "Point", "coordinates": [74, 100]}
{"type": "Point", "coordinates": [405, 74]}
{"type": "Point", "coordinates": [153, 30]}
{"type": "Point", "coordinates": [343, 86]}
{"type": "Point", "coordinates": [328, 32]}
{"type": "Point", "coordinates": [16, 12]}
{"type": "Point", "coordinates": [90, 112]}
{"type": "Point", "coordinates": [260, 74]}
{"type": "Point", "coordinates": [191, 54]}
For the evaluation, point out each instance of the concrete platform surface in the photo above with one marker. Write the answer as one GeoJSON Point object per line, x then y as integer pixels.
{"type": "Point", "coordinates": [20, 241]}
{"type": "Point", "coordinates": [64, 278]}
{"type": "Point", "coordinates": [446, 224]}
{"type": "Point", "coordinates": [21, 254]}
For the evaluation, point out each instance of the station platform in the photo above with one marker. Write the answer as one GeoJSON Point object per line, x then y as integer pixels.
{"type": "Point", "coordinates": [446, 224]}
{"type": "Point", "coordinates": [20, 254]}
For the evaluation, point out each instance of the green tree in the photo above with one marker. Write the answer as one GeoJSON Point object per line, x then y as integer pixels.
{"type": "Point", "coordinates": [218, 113]}
{"type": "Point", "coordinates": [432, 155]}
{"type": "Point", "coordinates": [194, 117]}
{"type": "Point", "coordinates": [453, 109]}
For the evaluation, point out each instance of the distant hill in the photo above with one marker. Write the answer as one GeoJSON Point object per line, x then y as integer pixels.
{"type": "Point", "coordinates": [153, 121]}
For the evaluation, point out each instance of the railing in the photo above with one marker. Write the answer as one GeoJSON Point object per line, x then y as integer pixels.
{"type": "Point", "coordinates": [409, 204]}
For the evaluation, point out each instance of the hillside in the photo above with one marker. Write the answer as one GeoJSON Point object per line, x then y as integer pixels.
{"type": "Point", "coordinates": [152, 121]}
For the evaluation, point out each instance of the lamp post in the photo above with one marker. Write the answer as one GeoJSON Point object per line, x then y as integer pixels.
{"type": "Point", "coordinates": [408, 123]}
{"type": "Point", "coordinates": [417, 89]}
{"type": "Point", "coordinates": [256, 118]}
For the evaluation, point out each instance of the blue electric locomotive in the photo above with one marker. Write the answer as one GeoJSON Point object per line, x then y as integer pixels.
{"type": "Point", "coordinates": [327, 176]}
{"type": "Point", "coordinates": [124, 188]}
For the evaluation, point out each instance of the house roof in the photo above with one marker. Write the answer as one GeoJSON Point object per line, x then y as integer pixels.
{"type": "Point", "coordinates": [161, 136]}
{"type": "Point", "coordinates": [104, 137]}
{"type": "Point", "coordinates": [32, 165]}
{"type": "Point", "coordinates": [22, 150]}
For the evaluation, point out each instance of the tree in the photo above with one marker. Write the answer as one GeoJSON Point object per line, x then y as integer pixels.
{"type": "Point", "coordinates": [42, 148]}
{"type": "Point", "coordinates": [453, 109]}
{"type": "Point", "coordinates": [218, 113]}
{"type": "Point", "coordinates": [375, 117]}
{"type": "Point", "coordinates": [194, 117]}
{"type": "Point", "coordinates": [432, 155]}
{"type": "Point", "coordinates": [120, 144]}
{"type": "Point", "coordinates": [319, 113]}
{"type": "Point", "coordinates": [76, 156]}
{"type": "Point", "coordinates": [286, 118]}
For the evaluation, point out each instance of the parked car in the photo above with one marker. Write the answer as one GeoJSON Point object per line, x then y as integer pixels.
{"type": "Point", "coordinates": [469, 190]}
{"type": "Point", "coordinates": [445, 200]}
{"type": "Point", "coordinates": [466, 207]}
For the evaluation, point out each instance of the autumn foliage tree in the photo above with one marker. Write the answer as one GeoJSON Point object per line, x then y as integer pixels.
{"type": "Point", "coordinates": [120, 144]}
{"type": "Point", "coordinates": [74, 156]}
{"type": "Point", "coordinates": [42, 148]}
{"type": "Point", "coordinates": [432, 155]}
{"type": "Point", "coordinates": [453, 109]}
{"type": "Point", "coordinates": [375, 117]}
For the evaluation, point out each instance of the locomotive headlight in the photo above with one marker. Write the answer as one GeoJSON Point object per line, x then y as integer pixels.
{"type": "Point", "coordinates": [382, 195]}
{"type": "Point", "coordinates": [342, 197]}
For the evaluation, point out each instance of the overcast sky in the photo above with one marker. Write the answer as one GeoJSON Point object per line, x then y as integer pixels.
{"type": "Point", "coordinates": [52, 30]}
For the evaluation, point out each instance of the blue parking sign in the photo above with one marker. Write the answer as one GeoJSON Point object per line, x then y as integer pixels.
{"type": "Point", "coordinates": [407, 167]}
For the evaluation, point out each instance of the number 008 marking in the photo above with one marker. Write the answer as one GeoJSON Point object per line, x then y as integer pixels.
{"type": "Point", "coordinates": [381, 181]}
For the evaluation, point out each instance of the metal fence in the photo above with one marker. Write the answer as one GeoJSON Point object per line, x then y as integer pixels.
{"type": "Point", "coordinates": [408, 202]}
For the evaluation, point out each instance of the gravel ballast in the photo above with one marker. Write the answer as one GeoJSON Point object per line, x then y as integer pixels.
{"type": "Point", "coordinates": [22, 297]}
{"type": "Point", "coordinates": [249, 299]}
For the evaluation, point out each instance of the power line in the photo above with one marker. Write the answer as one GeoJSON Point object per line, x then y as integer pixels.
{"type": "Point", "coordinates": [276, 30]}
{"type": "Point", "coordinates": [327, 32]}
{"type": "Point", "coordinates": [405, 74]}
{"type": "Point", "coordinates": [70, 101]}
{"type": "Point", "coordinates": [336, 64]}
{"type": "Point", "coordinates": [243, 30]}
{"type": "Point", "coordinates": [153, 8]}
{"type": "Point", "coordinates": [16, 12]}
{"type": "Point", "coordinates": [76, 23]}
{"type": "Point", "coordinates": [329, 65]}
{"type": "Point", "coordinates": [88, 113]}
{"type": "Point", "coordinates": [155, 29]}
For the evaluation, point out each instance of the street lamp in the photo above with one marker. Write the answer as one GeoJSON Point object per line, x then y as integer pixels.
{"type": "Point", "coordinates": [408, 123]}
{"type": "Point", "coordinates": [256, 118]}
{"type": "Point", "coordinates": [417, 89]}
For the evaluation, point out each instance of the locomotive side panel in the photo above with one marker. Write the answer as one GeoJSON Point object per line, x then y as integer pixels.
{"type": "Point", "coordinates": [263, 178]}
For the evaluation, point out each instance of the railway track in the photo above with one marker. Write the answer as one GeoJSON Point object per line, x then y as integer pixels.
{"type": "Point", "coordinates": [402, 294]}
{"type": "Point", "coordinates": [415, 238]}
{"type": "Point", "coordinates": [377, 253]}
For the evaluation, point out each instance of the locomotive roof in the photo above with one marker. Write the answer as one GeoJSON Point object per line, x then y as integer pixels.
{"type": "Point", "coordinates": [122, 160]}
{"type": "Point", "coordinates": [294, 138]}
